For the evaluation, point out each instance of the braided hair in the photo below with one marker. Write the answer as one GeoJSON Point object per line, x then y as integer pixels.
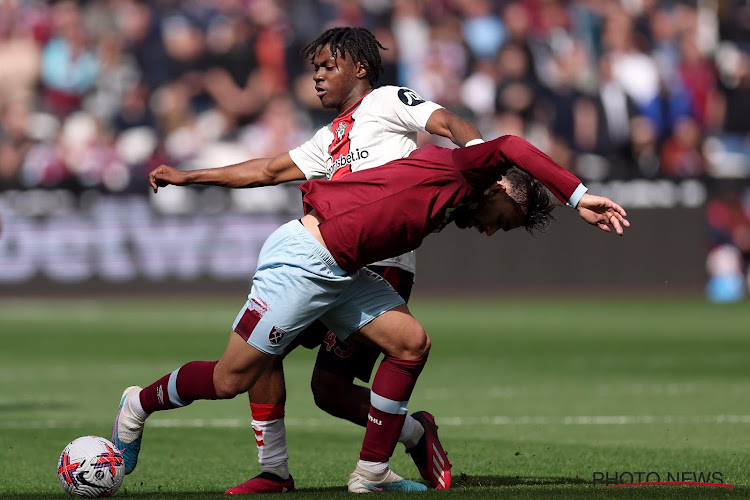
{"type": "Point", "coordinates": [359, 43]}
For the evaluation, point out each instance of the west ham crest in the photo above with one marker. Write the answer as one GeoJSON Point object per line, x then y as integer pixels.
{"type": "Point", "coordinates": [276, 335]}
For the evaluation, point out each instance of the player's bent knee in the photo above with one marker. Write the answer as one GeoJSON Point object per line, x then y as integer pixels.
{"type": "Point", "coordinates": [229, 385]}
{"type": "Point", "coordinates": [239, 368]}
{"type": "Point", "coordinates": [423, 345]}
{"type": "Point", "coordinates": [227, 388]}
{"type": "Point", "coordinates": [417, 344]}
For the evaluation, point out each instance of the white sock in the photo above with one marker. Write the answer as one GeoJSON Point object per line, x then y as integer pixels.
{"type": "Point", "coordinates": [411, 432]}
{"type": "Point", "coordinates": [281, 470]}
{"type": "Point", "coordinates": [270, 437]}
{"type": "Point", "coordinates": [135, 406]}
{"type": "Point", "coordinates": [376, 467]}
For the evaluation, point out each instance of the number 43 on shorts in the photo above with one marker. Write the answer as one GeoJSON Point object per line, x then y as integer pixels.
{"type": "Point", "coordinates": [340, 348]}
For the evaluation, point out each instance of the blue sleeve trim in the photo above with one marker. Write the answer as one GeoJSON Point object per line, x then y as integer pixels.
{"type": "Point", "coordinates": [577, 195]}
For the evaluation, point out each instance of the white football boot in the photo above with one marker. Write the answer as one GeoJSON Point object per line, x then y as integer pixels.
{"type": "Point", "coordinates": [128, 430]}
{"type": "Point", "coordinates": [364, 481]}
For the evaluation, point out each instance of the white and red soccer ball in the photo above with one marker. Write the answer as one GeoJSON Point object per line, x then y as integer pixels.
{"type": "Point", "coordinates": [91, 467]}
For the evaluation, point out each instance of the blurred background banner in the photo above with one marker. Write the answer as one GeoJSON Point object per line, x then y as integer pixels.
{"type": "Point", "coordinates": [124, 243]}
{"type": "Point", "coordinates": [646, 101]}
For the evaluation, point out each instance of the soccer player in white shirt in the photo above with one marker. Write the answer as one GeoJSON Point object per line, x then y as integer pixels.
{"type": "Point", "coordinates": [373, 126]}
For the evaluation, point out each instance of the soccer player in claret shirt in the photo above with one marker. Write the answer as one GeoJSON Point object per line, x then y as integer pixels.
{"type": "Point", "coordinates": [313, 268]}
{"type": "Point", "coordinates": [373, 127]}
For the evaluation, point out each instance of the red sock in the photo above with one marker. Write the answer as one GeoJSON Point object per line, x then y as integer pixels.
{"type": "Point", "coordinates": [391, 390]}
{"type": "Point", "coordinates": [194, 380]}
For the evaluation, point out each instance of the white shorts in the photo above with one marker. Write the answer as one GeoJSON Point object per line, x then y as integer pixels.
{"type": "Point", "coordinates": [297, 282]}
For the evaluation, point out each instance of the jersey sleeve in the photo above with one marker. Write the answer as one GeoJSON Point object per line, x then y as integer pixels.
{"type": "Point", "coordinates": [311, 156]}
{"type": "Point", "coordinates": [481, 162]}
{"type": "Point", "coordinates": [403, 109]}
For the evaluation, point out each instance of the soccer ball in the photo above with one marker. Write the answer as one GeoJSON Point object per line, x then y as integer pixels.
{"type": "Point", "coordinates": [91, 467]}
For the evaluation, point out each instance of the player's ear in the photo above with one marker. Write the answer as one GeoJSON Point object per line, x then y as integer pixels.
{"type": "Point", "coordinates": [499, 186]}
{"type": "Point", "coordinates": [361, 70]}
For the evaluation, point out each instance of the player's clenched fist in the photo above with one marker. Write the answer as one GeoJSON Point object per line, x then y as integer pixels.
{"type": "Point", "coordinates": [164, 175]}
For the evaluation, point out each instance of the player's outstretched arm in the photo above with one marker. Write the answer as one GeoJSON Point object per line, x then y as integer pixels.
{"type": "Point", "coordinates": [451, 126]}
{"type": "Point", "coordinates": [252, 173]}
{"type": "Point", "coordinates": [603, 213]}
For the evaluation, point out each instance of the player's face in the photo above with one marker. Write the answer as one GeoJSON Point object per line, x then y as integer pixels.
{"type": "Point", "coordinates": [336, 80]}
{"type": "Point", "coordinates": [497, 211]}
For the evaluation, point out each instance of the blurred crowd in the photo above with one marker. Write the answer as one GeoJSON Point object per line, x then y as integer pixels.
{"type": "Point", "coordinates": [728, 258]}
{"type": "Point", "coordinates": [95, 93]}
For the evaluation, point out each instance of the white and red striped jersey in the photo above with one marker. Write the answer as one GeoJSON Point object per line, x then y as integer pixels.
{"type": "Point", "coordinates": [382, 126]}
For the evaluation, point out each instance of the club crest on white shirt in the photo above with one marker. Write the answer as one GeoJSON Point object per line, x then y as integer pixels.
{"type": "Point", "coordinates": [340, 130]}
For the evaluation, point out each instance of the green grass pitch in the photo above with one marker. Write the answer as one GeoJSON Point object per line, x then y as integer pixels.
{"type": "Point", "coordinates": [533, 396]}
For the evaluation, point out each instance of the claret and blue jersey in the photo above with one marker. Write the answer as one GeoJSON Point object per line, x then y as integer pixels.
{"type": "Point", "coordinates": [374, 214]}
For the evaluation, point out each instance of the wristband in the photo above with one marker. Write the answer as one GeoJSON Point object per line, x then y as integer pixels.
{"type": "Point", "coordinates": [474, 142]}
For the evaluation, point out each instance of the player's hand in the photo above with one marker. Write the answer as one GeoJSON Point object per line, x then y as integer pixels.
{"type": "Point", "coordinates": [164, 175]}
{"type": "Point", "coordinates": [603, 213]}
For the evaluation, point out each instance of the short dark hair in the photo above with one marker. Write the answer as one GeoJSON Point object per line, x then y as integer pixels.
{"type": "Point", "coordinates": [531, 194]}
{"type": "Point", "coordinates": [359, 43]}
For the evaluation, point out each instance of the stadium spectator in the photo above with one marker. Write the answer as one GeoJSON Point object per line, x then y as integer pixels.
{"type": "Point", "coordinates": [234, 80]}
{"type": "Point", "coordinates": [313, 268]}
{"type": "Point", "coordinates": [632, 67]}
{"type": "Point", "coordinates": [699, 78]}
{"type": "Point", "coordinates": [20, 57]}
{"type": "Point", "coordinates": [681, 152]}
{"type": "Point", "coordinates": [517, 86]}
{"type": "Point", "coordinates": [482, 28]}
{"type": "Point", "coordinates": [117, 76]}
{"type": "Point", "coordinates": [616, 111]}
{"type": "Point", "coordinates": [728, 259]}
{"type": "Point", "coordinates": [134, 109]}
{"type": "Point", "coordinates": [69, 65]}
{"type": "Point", "coordinates": [139, 27]}
{"type": "Point", "coordinates": [728, 150]}
{"type": "Point", "coordinates": [15, 143]}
